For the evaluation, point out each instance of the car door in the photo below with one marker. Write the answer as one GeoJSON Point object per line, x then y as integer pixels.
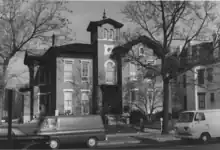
{"type": "Point", "coordinates": [201, 124]}
{"type": "Point", "coordinates": [64, 130]}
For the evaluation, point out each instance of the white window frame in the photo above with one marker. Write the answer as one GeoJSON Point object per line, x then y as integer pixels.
{"type": "Point", "coordinates": [84, 90]}
{"type": "Point", "coordinates": [105, 65]}
{"type": "Point", "coordinates": [65, 60]}
{"type": "Point", "coordinates": [151, 60]}
{"type": "Point", "coordinates": [68, 90]}
{"type": "Point", "coordinates": [81, 70]}
{"type": "Point", "coordinates": [106, 49]}
{"type": "Point", "coordinates": [180, 49]}
{"type": "Point", "coordinates": [105, 37]}
{"type": "Point", "coordinates": [139, 51]}
{"type": "Point", "coordinates": [132, 73]}
{"type": "Point", "coordinates": [111, 34]}
{"type": "Point", "coordinates": [71, 91]}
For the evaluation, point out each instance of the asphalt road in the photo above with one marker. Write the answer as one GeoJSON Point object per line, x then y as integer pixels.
{"type": "Point", "coordinates": [212, 146]}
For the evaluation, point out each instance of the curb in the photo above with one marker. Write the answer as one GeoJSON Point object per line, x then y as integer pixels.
{"type": "Point", "coordinates": [130, 134]}
{"type": "Point", "coordinates": [118, 143]}
{"type": "Point", "coordinates": [164, 143]}
{"type": "Point", "coordinates": [122, 134]}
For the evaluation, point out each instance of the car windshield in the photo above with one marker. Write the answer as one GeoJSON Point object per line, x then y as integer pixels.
{"type": "Point", "coordinates": [186, 117]}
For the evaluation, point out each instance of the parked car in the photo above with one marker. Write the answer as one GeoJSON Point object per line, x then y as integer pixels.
{"type": "Point", "coordinates": [198, 124]}
{"type": "Point", "coordinates": [20, 139]}
{"type": "Point", "coordinates": [73, 129]}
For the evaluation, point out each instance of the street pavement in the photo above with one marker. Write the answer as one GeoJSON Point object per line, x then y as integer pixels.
{"type": "Point", "coordinates": [212, 146]}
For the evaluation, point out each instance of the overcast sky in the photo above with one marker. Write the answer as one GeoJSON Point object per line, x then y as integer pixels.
{"type": "Point", "coordinates": [86, 11]}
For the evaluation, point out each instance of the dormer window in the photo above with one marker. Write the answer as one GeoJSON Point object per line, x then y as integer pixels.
{"type": "Point", "coordinates": [111, 36]}
{"type": "Point", "coordinates": [105, 34]}
{"type": "Point", "coordinates": [141, 51]}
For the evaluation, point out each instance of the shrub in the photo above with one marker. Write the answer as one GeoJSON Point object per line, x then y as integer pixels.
{"type": "Point", "coordinates": [135, 116]}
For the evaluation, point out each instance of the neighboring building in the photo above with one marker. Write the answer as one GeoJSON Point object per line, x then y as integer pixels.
{"type": "Point", "coordinates": [68, 78]}
{"type": "Point", "coordinates": [198, 85]}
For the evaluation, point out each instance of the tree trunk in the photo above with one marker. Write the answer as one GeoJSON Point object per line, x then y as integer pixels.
{"type": "Point", "coordinates": [165, 106]}
{"type": "Point", "coordinates": [2, 97]}
{"type": "Point", "coordinates": [2, 88]}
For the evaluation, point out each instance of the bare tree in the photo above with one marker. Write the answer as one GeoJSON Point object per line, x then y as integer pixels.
{"type": "Point", "coordinates": [22, 22]}
{"type": "Point", "coordinates": [78, 86]}
{"type": "Point", "coordinates": [162, 22]}
{"type": "Point", "coordinates": [148, 97]}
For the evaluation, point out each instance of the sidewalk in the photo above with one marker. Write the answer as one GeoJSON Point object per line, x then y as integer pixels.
{"type": "Point", "coordinates": [155, 134]}
{"type": "Point", "coordinates": [119, 140]}
{"type": "Point", "coordinates": [150, 136]}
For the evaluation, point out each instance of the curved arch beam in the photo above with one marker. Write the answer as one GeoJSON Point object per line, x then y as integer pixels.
{"type": "Point", "coordinates": [123, 49]}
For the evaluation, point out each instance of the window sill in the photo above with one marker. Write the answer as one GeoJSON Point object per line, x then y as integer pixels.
{"type": "Point", "coordinates": [107, 53]}
{"type": "Point", "coordinates": [107, 40]}
{"type": "Point", "coordinates": [42, 83]}
{"type": "Point", "coordinates": [68, 80]}
{"type": "Point", "coordinates": [142, 55]}
{"type": "Point", "coordinates": [85, 113]}
{"type": "Point", "coordinates": [85, 80]}
{"type": "Point", "coordinates": [107, 82]}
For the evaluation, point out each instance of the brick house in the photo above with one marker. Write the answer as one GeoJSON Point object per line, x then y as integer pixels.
{"type": "Point", "coordinates": [67, 78]}
{"type": "Point", "coordinates": [198, 85]}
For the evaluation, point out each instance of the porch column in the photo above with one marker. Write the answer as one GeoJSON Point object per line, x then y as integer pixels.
{"type": "Point", "coordinates": [31, 84]}
{"type": "Point", "coordinates": [119, 79]}
{"type": "Point", "coordinates": [95, 81]}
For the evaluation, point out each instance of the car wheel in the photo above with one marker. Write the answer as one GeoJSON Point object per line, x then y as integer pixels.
{"type": "Point", "coordinates": [92, 142]}
{"type": "Point", "coordinates": [205, 138]}
{"type": "Point", "coordinates": [54, 144]}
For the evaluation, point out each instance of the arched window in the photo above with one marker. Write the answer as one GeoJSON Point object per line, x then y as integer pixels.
{"type": "Point", "coordinates": [111, 36]}
{"type": "Point", "coordinates": [105, 34]}
{"type": "Point", "coordinates": [110, 72]}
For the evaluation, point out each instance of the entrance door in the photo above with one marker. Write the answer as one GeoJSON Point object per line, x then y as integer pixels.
{"type": "Point", "coordinates": [44, 99]}
{"type": "Point", "coordinates": [112, 104]}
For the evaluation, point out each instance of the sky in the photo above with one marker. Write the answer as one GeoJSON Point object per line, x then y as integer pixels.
{"type": "Point", "coordinates": [86, 11]}
{"type": "Point", "coordinates": [83, 13]}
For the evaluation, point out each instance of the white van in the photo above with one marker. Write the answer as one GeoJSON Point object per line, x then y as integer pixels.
{"type": "Point", "coordinates": [198, 124]}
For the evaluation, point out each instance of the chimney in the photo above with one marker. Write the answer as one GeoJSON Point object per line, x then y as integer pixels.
{"type": "Point", "coordinates": [53, 40]}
